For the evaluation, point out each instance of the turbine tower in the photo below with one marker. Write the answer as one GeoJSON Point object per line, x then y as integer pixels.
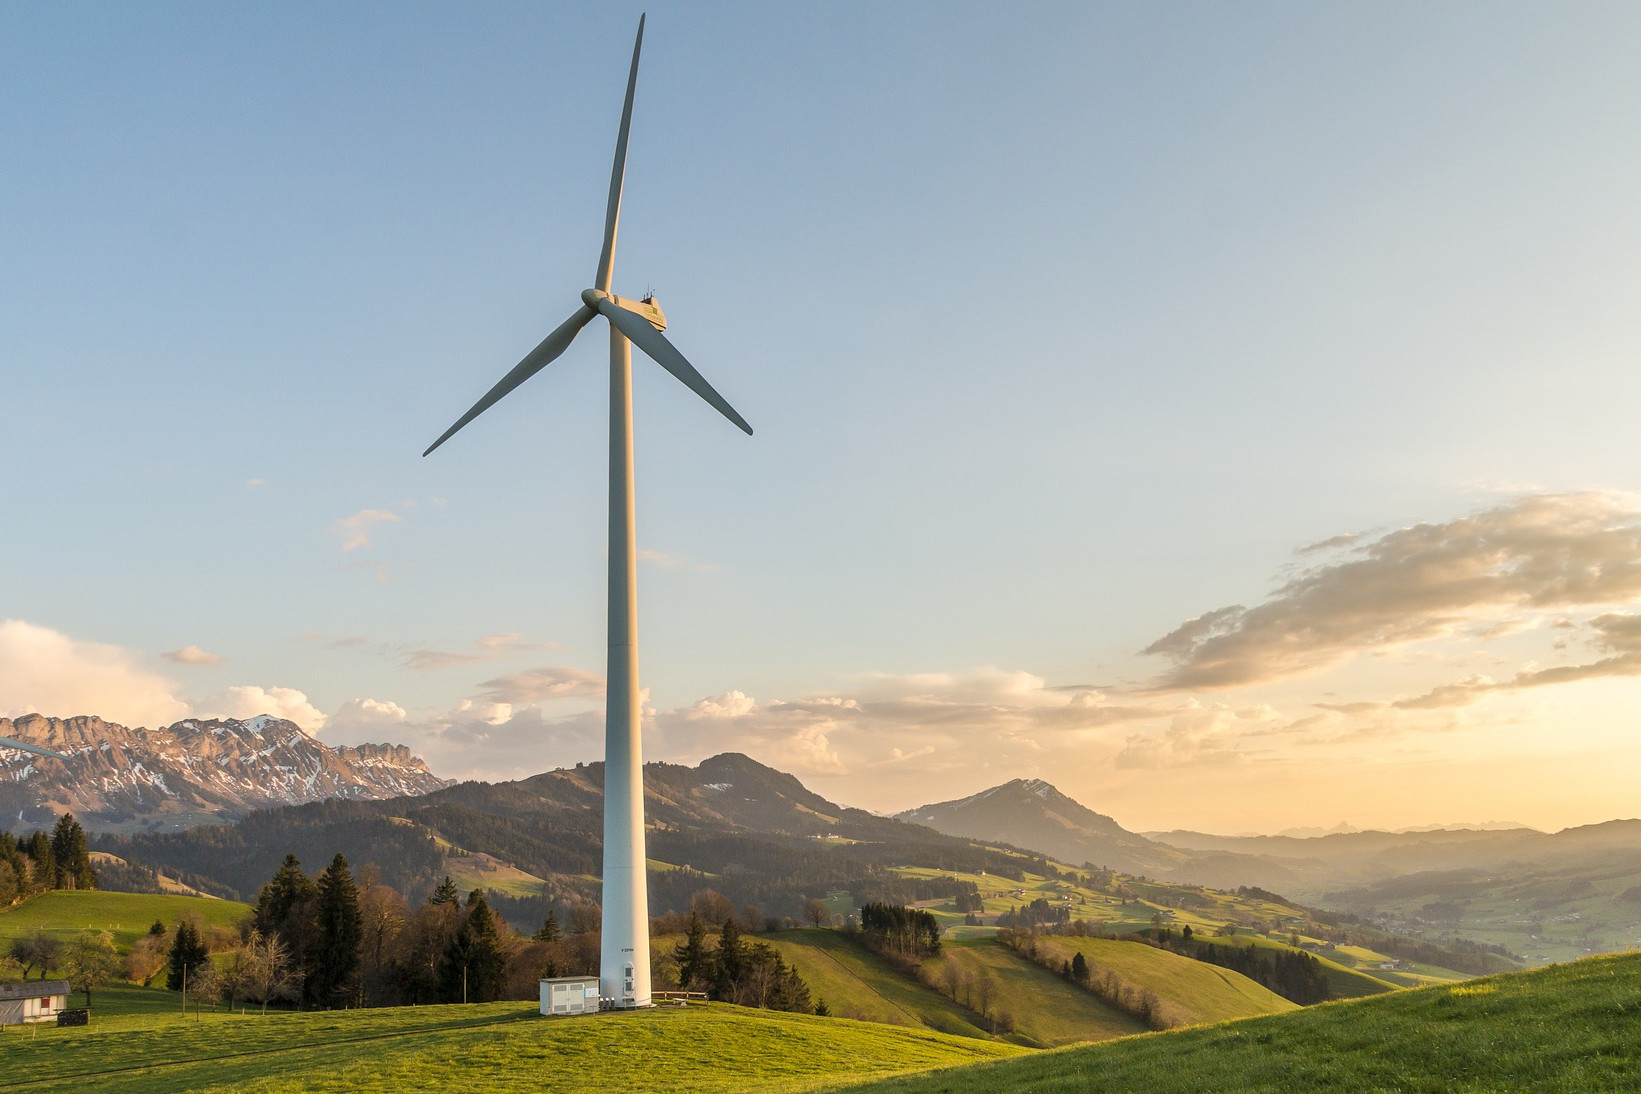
{"type": "Point", "coordinates": [624, 972]}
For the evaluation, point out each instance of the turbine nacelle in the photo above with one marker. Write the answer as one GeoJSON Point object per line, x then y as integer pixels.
{"type": "Point", "coordinates": [647, 307]}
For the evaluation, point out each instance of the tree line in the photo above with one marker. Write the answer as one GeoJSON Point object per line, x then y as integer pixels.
{"type": "Point", "coordinates": [341, 939]}
{"type": "Point", "coordinates": [40, 862]}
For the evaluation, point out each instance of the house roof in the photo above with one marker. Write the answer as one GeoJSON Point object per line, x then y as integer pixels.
{"type": "Point", "coordinates": [37, 989]}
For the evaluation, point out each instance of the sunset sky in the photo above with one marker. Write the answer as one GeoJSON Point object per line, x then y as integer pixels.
{"type": "Point", "coordinates": [1229, 413]}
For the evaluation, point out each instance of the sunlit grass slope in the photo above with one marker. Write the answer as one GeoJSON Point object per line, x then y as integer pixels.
{"type": "Point", "coordinates": [127, 916]}
{"type": "Point", "coordinates": [499, 1048]}
{"type": "Point", "coordinates": [1566, 1028]}
{"type": "Point", "coordinates": [858, 984]}
{"type": "Point", "coordinates": [1045, 1009]}
{"type": "Point", "coordinates": [1192, 992]}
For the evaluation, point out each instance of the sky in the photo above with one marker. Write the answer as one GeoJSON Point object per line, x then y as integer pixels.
{"type": "Point", "coordinates": [1225, 412]}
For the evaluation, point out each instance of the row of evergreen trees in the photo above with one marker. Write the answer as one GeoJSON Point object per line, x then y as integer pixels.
{"type": "Point", "coordinates": [351, 947]}
{"type": "Point", "coordinates": [39, 861]}
{"type": "Point", "coordinates": [897, 929]}
{"type": "Point", "coordinates": [736, 970]}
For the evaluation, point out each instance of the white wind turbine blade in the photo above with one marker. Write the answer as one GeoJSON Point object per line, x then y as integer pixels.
{"type": "Point", "coordinates": [7, 742]}
{"type": "Point", "coordinates": [618, 173]}
{"type": "Point", "coordinates": [653, 342]}
{"type": "Point", "coordinates": [534, 361]}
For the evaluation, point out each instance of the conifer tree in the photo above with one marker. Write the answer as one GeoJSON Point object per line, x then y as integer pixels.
{"type": "Point", "coordinates": [188, 956]}
{"type": "Point", "coordinates": [473, 966]}
{"type": "Point", "coordinates": [691, 955]}
{"type": "Point", "coordinates": [71, 858]}
{"type": "Point", "coordinates": [281, 897]}
{"type": "Point", "coordinates": [549, 931]}
{"type": "Point", "coordinates": [731, 957]}
{"type": "Point", "coordinates": [336, 944]}
{"type": "Point", "coordinates": [44, 863]}
{"type": "Point", "coordinates": [446, 893]}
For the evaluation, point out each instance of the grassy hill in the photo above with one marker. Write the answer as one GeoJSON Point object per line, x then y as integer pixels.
{"type": "Point", "coordinates": [127, 916]}
{"type": "Point", "coordinates": [1565, 1028]}
{"type": "Point", "coordinates": [1344, 982]}
{"type": "Point", "coordinates": [1192, 992]}
{"type": "Point", "coordinates": [501, 1048]}
{"type": "Point", "coordinates": [1041, 1008]}
{"type": "Point", "coordinates": [858, 984]}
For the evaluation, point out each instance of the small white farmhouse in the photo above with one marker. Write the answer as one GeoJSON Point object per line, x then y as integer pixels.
{"type": "Point", "coordinates": [40, 1001]}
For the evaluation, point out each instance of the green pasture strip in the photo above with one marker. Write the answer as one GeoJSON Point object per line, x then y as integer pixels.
{"type": "Point", "coordinates": [857, 983]}
{"type": "Point", "coordinates": [1046, 1009]}
{"type": "Point", "coordinates": [1563, 1029]}
{"type": "Point", "coordinates": [63, 913]}
{"type": "Point", "coordinates": [500, 1048]}
{"type": "Point", "coordinates": [1192, 991]}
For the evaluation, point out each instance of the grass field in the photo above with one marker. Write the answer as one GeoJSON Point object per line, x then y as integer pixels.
{"type": "Point", "coordinates": [1045, 1009]}
{"type": "Point", "coordinates": [1562, 1029]}
{"type": "Point", "coordinates": [858, 984]}
{"type": "Point", "coordinates": [1192, 992]}
{"type": "Point", "coordinates": [500, 1048]}
{"type": "Point", "coordinates": [127, 916]}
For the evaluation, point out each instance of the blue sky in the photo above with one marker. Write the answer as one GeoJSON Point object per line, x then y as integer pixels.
{"type": "Point", "coordinates": [1060, 326]}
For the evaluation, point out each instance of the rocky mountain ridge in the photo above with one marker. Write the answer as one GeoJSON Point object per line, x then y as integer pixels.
{"type": "Point", "coordinates": [119, 778]}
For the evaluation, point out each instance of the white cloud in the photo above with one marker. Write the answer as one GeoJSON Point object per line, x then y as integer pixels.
{"type": "Point", "coordinates": [547, 682]}
{"type": "Point", "coordinates": [489, 647]}
{"type": "Point", "coordinates": [193, 655]}
{"type": "Point", "coordinates": [1491, 572]}
{"type": "Point", "coordinates": [247, 701]}
{"type": "Point", "coordinates": [355, 532]}
{"type": "Point", "coordinates": [43, 671]}
{"type": "Point", "coordinates": [672, 562]}
{"type": "Point", "coordinates": [359, 720]}
{"type": "Point", "coordinates": [1195, 736]}
{"type": "Point", "coordinates": [731, 704]}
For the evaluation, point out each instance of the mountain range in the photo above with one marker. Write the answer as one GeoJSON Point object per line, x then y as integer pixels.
{"type": "Point", "coordinates": [117, 778]}
{"type": "Point", "coordinates": [219, 802]}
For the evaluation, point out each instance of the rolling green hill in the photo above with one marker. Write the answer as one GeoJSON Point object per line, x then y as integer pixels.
{"type": "Point", "coordinates": [859, 984]}
{"type": "Point", "coordinates": [1343, 982]}
{"type": "Point", "coordinates": [1192, 992]}
{"type": "Point", "coordinates": [1565, 1028]}
{"type": "Point", "coordinates": [500, 1048]}
{"type": "Point", "coordinates": [1040, 1008]}
{"type": "Point", "coordinates": [127, 916]}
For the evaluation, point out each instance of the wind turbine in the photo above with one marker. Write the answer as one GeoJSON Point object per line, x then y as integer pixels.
{"type": "Point", "coordinates": [624, 961]}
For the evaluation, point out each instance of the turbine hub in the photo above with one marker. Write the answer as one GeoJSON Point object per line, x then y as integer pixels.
{"type": "Point", "coordinates": [646, 308]}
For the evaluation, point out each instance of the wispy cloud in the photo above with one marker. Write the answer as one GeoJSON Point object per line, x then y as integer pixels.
{"type": "Point", "coordinates": [1552, 552]}
{"type": "Point", "coordinates": [192, 655]}
{"type": "Point", "coordinates": [546, 682]}
{"type": "Point", "coordinates": [355, 531]}
{"type": "Point", "coordinates": [490, 647]}
{"type": "Point", "coordinates": [672, 562]}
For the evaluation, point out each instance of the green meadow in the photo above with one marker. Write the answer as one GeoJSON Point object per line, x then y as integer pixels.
{"type": "Point", "coordinates": [857, 983]}
{"type": "Point", "coordinates": [127, 916]}
{"type": "Point", "coordinates": [1565, 1029]}
{"type": "Point", "coordinates": [504, 1048]}
{"type": "Point", "coordinates": [1191, 992]}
